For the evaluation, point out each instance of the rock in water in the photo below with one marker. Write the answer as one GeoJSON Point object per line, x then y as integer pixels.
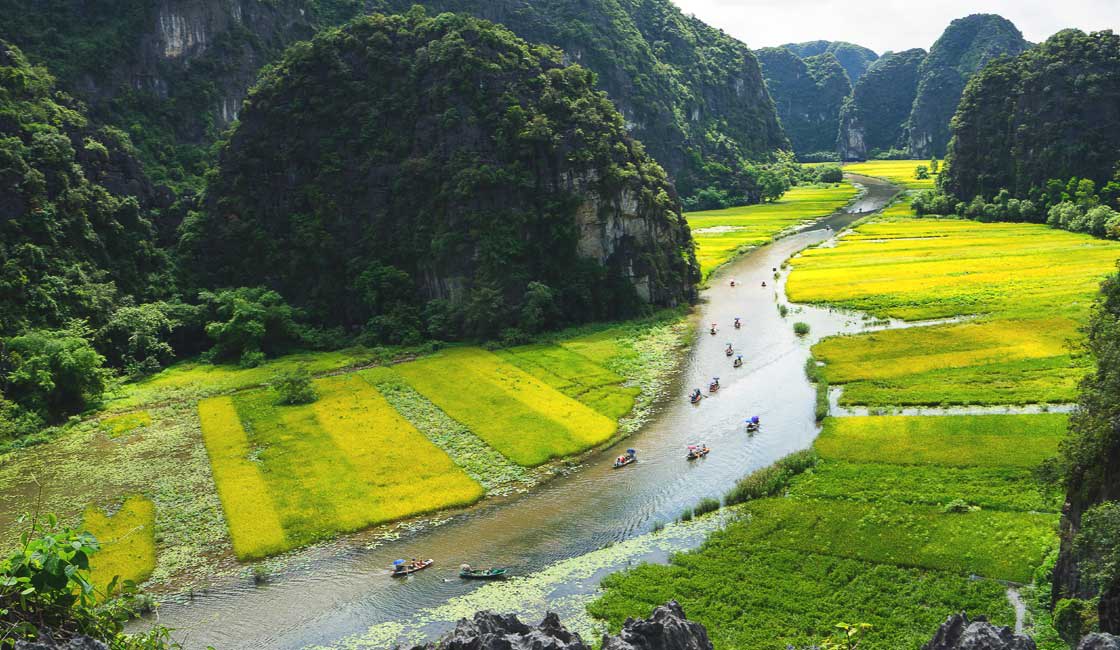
{"type": "Point", "coordinates": [959, 633]}
{"type": "Point", "coordinates": [1099, 642]}
{"type": "Point", "coordinates": [45, 642]}
{"type": "Point", "coordinates": [667, 629]}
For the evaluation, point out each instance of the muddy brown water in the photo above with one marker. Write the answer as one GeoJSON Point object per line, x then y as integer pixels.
{"type": "Point", "coordinates": [334, 592]}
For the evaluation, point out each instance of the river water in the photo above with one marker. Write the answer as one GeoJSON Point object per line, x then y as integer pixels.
{"type": "Point", "coordinates": [343, 590]}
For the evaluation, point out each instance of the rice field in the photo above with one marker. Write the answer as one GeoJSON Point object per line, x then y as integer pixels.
{"type": "Point", "coordinates": [522, 417]}
{"type": "Point", "coordinates": [903, 521]}
{"type": "Point", "coordinates": [994, 544]}
{"type": "Point", "coordinates": [899, 172]}
{"type": "Point", "coordinates": [127, 539]}
{"type": "Point", "coordinates": [752, 595]}
{"type": "Point", "coordinates": [344, 462]}
{"type": "Point", "coordinates": [576, 376]}
{"type": "Point", "coordinates": [721, 235]}
{"type": "Point", "coordinates": [1023, 306]}
{"type": "Point", "coordinates": [1021, 441]}
{"type": "Point", "coordinates": [990, 488]}
{"type": "Point", "coordinates": [121, 425]}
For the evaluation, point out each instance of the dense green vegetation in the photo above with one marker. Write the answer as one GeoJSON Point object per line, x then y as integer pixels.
{"type": "Point", "coordinates": [174, 76]}
{"type": "Point", "coordinates": [1048, 114]}
{"type": "Point", "coordinates": [1086, 468]}
{"type": "Point", "coordinates": [487, 157]}
{"type": "Point", "coordinates": [47, 592]}
{"type": "Point", "coordinates": [75, 236]}
{"type": "Point", "coordinates": [855, 59]}
{"type": "Point", "coordinates": [807, 94]}
{"type": "Point", "coordinates": [965, 46]}
{"type": "Point", "coordinates": [873, 119]}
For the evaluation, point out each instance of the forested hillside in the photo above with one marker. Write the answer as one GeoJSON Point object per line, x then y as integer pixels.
{"type": "Point", "coordinates": [873, 119]}
{"type": "Point", "coordinates": [856, 59]}
{"type": "Point", "coordinates": [1051, 113]}
{"type": "Point", "coordinates": [173, 74]}
{"type": "Point", "coordinates": [808, 94]}
{"type": "Point", "coordinates": [965, 46]}
{"type": "Point", "coordinates": [75, 234]}
{"type": "Point", "coordinates": [468, 182]}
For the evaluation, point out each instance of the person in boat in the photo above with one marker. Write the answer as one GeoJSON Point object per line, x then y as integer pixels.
{"type": "Point", "coordinates": [732, 281]}
{"type": "Point", "coordinates": [738, 361]}
{"type": "Point", "coordinates": [713, 329]}
{"type": "Point", "coordinates": [715, 383]}
{"type": "Point", "coordinates": [764, 283]}
{"type": "Point", "coordinates": [729, 349]}
{"type": "Point", "coordinates": [738, 324]}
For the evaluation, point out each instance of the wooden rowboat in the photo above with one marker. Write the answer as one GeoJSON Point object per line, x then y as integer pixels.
{"type": "Point", "coordinates": [482, 574]}
{"type": "Point", "coordinates": [405, 569]}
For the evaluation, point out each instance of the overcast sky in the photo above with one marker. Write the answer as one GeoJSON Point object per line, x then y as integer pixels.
{"type": "Point", "coordinates": [890, 24]}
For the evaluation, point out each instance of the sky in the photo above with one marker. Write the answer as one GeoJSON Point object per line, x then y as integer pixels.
{"type": "Point", "coordinates": [890, 24]}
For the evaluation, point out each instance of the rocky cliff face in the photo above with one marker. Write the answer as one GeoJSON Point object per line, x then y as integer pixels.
{"type": "Point", "coordinates": [807, 93]}
{"type": "Point", "coordinates": [855, 59]}
{"type": "Point", "coordinates": [414, 160]}
{"type": "Point", "coordinates": [666, 629]}
{"type": "Point", "coordinates": [181, 68]}
{"type": "Point", "coordinates": [966, 45]}
{"type": "Point", "coordinates": [874, 117]}
{"type": "Point", "coordinates": [1052, 112]}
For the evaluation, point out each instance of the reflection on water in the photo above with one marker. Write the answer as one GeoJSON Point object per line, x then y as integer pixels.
{"type": "Point", "coordinates": [344, 593]}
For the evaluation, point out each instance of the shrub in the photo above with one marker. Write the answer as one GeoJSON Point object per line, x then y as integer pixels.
{"type": "Point", "coordinates": [686, 515]}
{"type": "Point", "coordinates": [783, 310]}
{"type": "Point", "coordinates": [1072, 619]}
{"type": "Point", "coordinates": [294, 387]}
{"type": "Point", "coordinates": [45, 586]}
{"type": "Point", "coordinates": [705, 506]}
{"type": "Point", "coordinates": [956, 506]}
{"type": "Point", "coordinates": [800, 328]}
{"type": "Point", "coordinates": [772, 479]}
{"type": "Point", "coordinates": [53, 373]}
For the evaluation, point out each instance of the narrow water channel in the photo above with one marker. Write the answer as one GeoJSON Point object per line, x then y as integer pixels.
{"type": "Point", "coordinates": [341, 591]}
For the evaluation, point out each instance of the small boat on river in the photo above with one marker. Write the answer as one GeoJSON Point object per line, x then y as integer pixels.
{"type": "Point", "coordinates": [697, 451]}
{"type": "Point", "coordinates": [630, 457]}
{"type": "Point", "coordinates": [753, 424]}
{"type": "Point", "coordinates": [403, 568]}
{"type": "Point", "coordinates": [494, 573]}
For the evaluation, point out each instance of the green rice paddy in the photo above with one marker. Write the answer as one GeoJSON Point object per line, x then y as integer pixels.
{"type": "Point", "coordinates": [904, 521]}
{"type": "Point", "coordinates": [1023, 309]}
{"type": "Point", "coordinates": [721, 235]}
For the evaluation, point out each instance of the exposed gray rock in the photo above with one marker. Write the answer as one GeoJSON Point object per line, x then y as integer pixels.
{"type": "Point", "coordinates": [667, 629]}
{"type": "Point", "coordinates": [490, 631]}
{"type": "Point", "coordinates": [1099, 642]}
{"type": "Point", "coordinates": [959, 633]}
{"type": "Point", "coordinates": [79, 642]}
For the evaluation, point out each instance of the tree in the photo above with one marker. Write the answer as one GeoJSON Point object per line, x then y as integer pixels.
{"type": "Point", "coordinates": [921, 173]}
{"type": "Point", "coordinates": [772, 185]}
{"type": "Point", "coordinates": [538, 309]}
{"type": "Point", "coordinates": [247, 323]}
{"type": "Point", "coordinates": [295, 387]}
{"type": "Point", "coordinates": [136, 338]}
{"type": "Point", "coordinates": [53, 373]}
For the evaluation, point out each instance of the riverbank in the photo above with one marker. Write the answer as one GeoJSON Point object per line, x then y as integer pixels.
{"type": "Point", "coordinates": [904, 519]}
{"type": "Point", "coordinates": [151, 445]}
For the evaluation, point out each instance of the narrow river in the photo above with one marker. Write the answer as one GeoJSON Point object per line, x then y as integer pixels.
{"type": "Point", "coordinates": [344, 590]}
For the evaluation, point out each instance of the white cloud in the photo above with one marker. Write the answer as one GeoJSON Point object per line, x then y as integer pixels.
{"type": "Point", "coordinates": [890, 24]}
